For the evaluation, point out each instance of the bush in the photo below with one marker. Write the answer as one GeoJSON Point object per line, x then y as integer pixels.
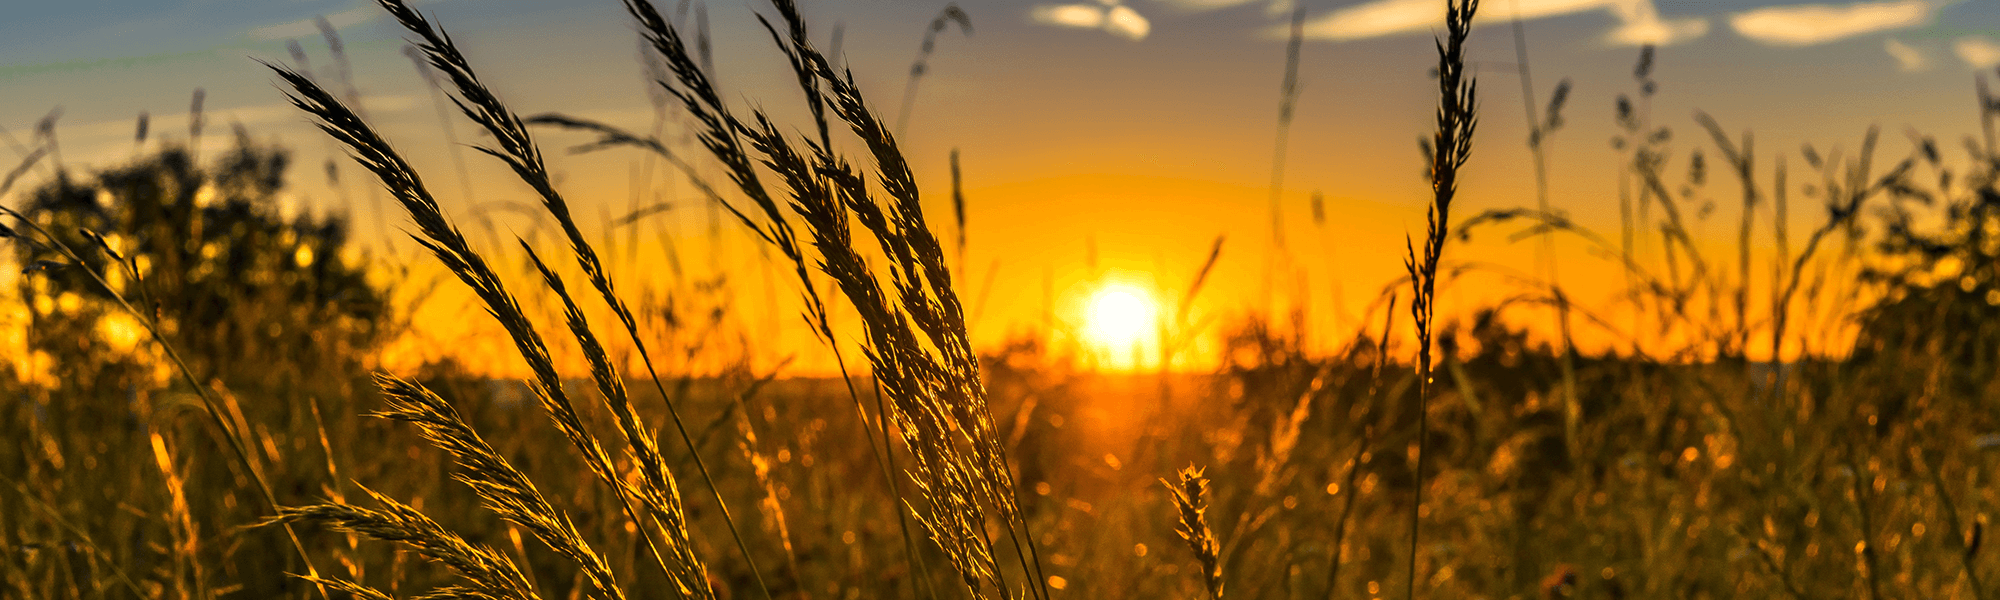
{"type": "Point", "coordinates": [244, 292]}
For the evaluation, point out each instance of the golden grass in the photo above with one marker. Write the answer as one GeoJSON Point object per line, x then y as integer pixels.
{"type": "Point", "coordinates": [1686, 472]}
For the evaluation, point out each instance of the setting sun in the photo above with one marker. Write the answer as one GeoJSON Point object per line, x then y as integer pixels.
{"type": "Point", "coordinates": [1118, 317]}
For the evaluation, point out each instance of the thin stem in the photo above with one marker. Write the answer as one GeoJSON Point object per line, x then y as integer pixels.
{"type": "Point", "coordinates": [81, 535]}
{"type": "Point", "coordinates": [517, 148]}
{"type": "Point", "coordinates": [1367, 440]}
{"type": "Point", "coordinates": [1449, 146]}
{"type": "Point", "coordinates": [1288, 98]}
{"type": "Point", "coordinates": [1538, 136]}
{"type": "Point", "coordinates": [1872, 567]}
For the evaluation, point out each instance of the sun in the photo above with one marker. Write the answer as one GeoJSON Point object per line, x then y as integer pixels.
{"type": "Point", "coordinates": [1118, 317]}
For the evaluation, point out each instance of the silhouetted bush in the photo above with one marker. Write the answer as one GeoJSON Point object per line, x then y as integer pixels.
{"type": "Point", "coordinates": [244, 291]}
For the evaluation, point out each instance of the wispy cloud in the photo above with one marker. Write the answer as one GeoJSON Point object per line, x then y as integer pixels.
{"type": "Point", "coordinates": [368, 11]}
{"type": "Point", "coordinates": [1639, 21]}
{"type": "Point", "coordinates": [110, 141]}
{"type": "Point", "coordinates": [1271, 7]}
{"type": "Point", "coordinates": [1809, 24]}
{"type": "Point", "coordinates": [253, 117]}
{"type": "Point", "coordinates": [1108, 15]}
{"type": "Point", "coordinates": [306, 28]}
{"type": "Point", "coordinates": [1908, 59]}
{"type": "Point", "coordinates": [1977, 51]}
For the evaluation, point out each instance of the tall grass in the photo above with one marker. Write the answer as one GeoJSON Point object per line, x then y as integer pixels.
{"type": "Point", "coordinates": [950, 15]}
{"type": "Point", "coordinates": [518, 150]}
{"type": "Point", "coordinates": [917, 343]}
{"type": "Point", "coordinates": [655, 500]}
{"type": "Point", "coordinates": [1659, 466]}
{"type": "Point", "coordinates": [1448, 149]}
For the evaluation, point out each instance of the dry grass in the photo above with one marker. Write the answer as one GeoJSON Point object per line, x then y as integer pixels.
{"type": "Point", "coordinates": [1190, 497]}
{"type": "Point", "coordinates": [1663, 469]}
{"type": "Point", "coordinates": [939, 405]}
{"type": "Point", "coordinates": [516, 500]}
{"type": "Point", "coordinates": [1448, 149]}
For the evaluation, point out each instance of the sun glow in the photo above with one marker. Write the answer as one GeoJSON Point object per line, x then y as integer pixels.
{"type": "Point", "coordinates": [1118, 319]}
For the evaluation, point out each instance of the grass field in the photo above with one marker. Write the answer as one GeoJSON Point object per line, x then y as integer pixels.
{"type": "Point", "coordinates": [195, 408]}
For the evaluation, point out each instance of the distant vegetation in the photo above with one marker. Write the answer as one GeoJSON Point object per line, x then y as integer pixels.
{"type": "Point", "coordinates": [191, 415]}
{"type": "Point", "coordinates": [235, 283]}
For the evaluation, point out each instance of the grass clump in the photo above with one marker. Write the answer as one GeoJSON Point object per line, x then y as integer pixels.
{"type": "Point", "coordinates": [917, 343]}
{"type": "Point", "coordinates": [514, 498]}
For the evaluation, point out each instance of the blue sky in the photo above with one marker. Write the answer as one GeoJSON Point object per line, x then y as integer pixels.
{"type": "Point", "coordinates": [97, 58]}
{"type": "Point", "coordinates": [106, 60]}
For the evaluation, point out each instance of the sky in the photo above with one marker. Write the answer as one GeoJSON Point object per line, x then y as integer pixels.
{"type": "Point", "coordinates": [1102, 142]}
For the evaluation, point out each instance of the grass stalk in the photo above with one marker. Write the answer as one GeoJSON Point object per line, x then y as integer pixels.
{"type": "Point", "coordinates": [186, 537]}
{"type": "Point", "coordinates": [915, 339]}
{"type": "Point", "coordinates": [1354, 469]}
{"type": "Point", "coordinates": [1288, 102]}
{"type": "Point", "coordinates": [1741, 157]}
{"type": "Point", "coordinates": [1858, 495]}
{"type": "Point", "coordinates": [1450, 145]}
{"type": "Point", "coordinates": [489, 573]}
{"type": "Point", "coordinates": [660, 492]}
{"type": "Point", "coordinates": [1278, 256]}
{"type": "Point", "coordinates": [1781, 228]}
{"type": "Point", "coordinates": [1986, 113]}
{"type": "Point", "coordinates": [443, 239]}
{"type": "Point", "coordinates": [518, 150]}
{"type": "Point", "coordinates": [441, 103]}
{"type": "Point", "coordinates": [82, 536]}
{"type": "Point", "coordinates": [1541, 125]}
{"type": "Point", "coordinates": [1190, 498]}
{"type": "Point", "coordinates": [722, 140]}
{"type": "Point", "coordinates": [958, 214]}
{"type": "Point", "coordinates": [1843, 208]}
{"type": "Point", "coordinates": [1964, 550]}
{"type": "Point", "coordinates": [922, 65]}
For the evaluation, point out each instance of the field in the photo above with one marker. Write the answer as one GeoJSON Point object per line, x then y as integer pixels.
{"type": "Point", "coordinates": [209, 398]}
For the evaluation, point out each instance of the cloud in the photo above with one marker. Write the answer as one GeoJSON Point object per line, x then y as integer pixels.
{"type": "Point", "coordinates": [1809, 24]}
{"type": "Point", "coordinates": [219, 119]}
{"type": "Point", "coordinates": [306, 27]}
{"type": "Point", "coordinates": [1640, 24]}
{"type": "Point", "coordinates": [1108, 15]}
{"type": "Point", "coordinates": [1639, 21]}
{"type": "Point", "coordinates": [340, 20]}
{"type": "Point", "coordinates": [1908, 59]}
{"type": "Point", "coordinates": [1271, 7]}
{"type": "Point", "coordinates": [1977, 51]}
